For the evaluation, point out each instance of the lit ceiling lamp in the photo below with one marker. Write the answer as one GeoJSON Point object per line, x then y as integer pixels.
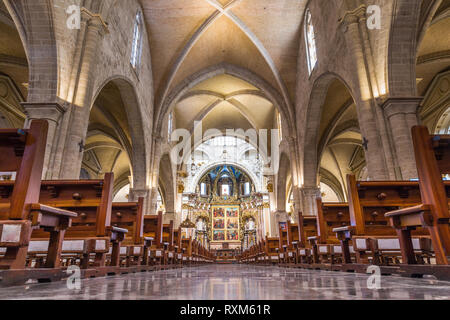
{"type": "Point", "coordinates": [187, 224]}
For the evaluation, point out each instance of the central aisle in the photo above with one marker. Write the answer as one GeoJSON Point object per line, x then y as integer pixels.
{"type": "Point", "coordinates": [235, 282]}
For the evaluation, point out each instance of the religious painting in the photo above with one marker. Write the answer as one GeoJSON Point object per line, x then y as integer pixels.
{"type": "Point", "coordinates": [232, 213]}
{"type": "Point", "coordinates": [232, 235]}
{"type": "Point", "coordinates": [233, 223]}
{"type": "Point", "coordinates": [225, 223]}
{"type": "Point", "coordinates": [219, 235]}
{"type": "Point", "coordinates": [218, 213]}
{"type": "Point", "coordinates": [283, 226]}
{"type": "Point", "coordinates": [219, 224]}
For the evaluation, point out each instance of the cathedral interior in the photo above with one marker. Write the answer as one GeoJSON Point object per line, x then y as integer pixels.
{"type": "Point", "coordinates": [235, 122]}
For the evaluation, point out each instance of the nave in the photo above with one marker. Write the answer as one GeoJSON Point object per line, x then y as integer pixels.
{"type": "Point", "coordinates": [224, 149]}
{"type": "Point", "coordinates": [235, 282]}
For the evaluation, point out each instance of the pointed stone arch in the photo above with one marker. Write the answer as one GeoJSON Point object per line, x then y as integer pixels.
{"type": "Point", "coordinates": [35, 23]}
{"type": "Point", "coordinates": [138, 150]}
{"type": "Point", "coordinates": [224, 68]}
{"type": "Point", "coordinates": [310, 163]}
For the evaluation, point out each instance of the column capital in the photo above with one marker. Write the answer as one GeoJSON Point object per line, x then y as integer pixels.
{"type": "Point", "coordinates": [139, 192]}
{"type": "Point", "coordinates": [95, 20]}
{"type": "Point", "coordinates": [353, 16]}
{"type": "Point", "coordinates": [401, 105]}
{"type": "Point", "coordinates": [50, 111]}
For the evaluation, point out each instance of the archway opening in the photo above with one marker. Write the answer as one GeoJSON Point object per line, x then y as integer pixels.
{"type": "Point", "coordinates": [108, 141]}
{"type": "Point", "coordinates": [14, 73]}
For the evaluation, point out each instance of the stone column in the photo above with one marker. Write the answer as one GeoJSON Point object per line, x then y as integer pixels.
{"type": "Point", "coordinates": [169, 216]}
{"type": "Point", "coordinates": [156, 156]}
{"type": "Point", "coordinates": [308, 197]}
{"type": "Point", "coordinates": [297, 202]}
{"type": "Point", "coordinates": [369, 123]}
{"type": "Point", "coordinates": [79, 118]}
{"type": "Point", "coordinates": [153, 201]}
{"type": "Point", "coordinates": [401, 114]}
{"type": "Point", "coordinates": [52, 112]}
{"type": "Point", "coordinates": [138, 193]}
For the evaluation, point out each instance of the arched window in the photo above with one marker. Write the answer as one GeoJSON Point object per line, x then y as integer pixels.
{"type": "Point", "coordinates": [280, 128]}
{"type": "Point", "coordinates": [203, 190]}
{"type": "Point", "coordinates": [136, 49]}
{"type": "Point", "coordinates": [310, 39]}
{"type": "Point", "coordinates": [170, 126]}
{"type": "Point", "coordinates": [247, 189]}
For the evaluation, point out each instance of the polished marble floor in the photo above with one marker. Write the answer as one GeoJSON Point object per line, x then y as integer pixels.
{"type": "Point", "coordinates": [235, 282]}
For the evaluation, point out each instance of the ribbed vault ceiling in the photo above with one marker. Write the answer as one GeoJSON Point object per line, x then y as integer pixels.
{"type": "Point", "coordinates": [189, 36]}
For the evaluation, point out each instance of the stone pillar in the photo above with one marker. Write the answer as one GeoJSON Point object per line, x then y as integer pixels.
{"type": "Point", "coordinates": [401, 115]}
{"type": "Point", "coordinates": [153, 201]}
{"type": "Point", "coordinates": [308, 197]}
{"type": "Point", "coordinates": [156, 156]}
{"type": "Point", "coordinates": [52, 112]}
{"type": "Point", "coordinates": [138, 193]}
{"type": "Point", "coordinates": [80, 111]}
{"type": "Point", "coordinates": [297, 203]}
{"type": "Point", "coordinates": [377, 149]}
{"type": "Point", "coordinates": [169, 216]}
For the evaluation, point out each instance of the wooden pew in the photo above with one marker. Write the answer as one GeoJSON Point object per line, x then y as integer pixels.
{"type": "Point", "coordinates": [307, 228]}
{"type": "Point", "coordinates": [178, 249]}
{"type": "Point", "coordinates": [168, 242]}
{"type": "Point", "coordinates": [283, 243]}
{"type": "Point", "coordinates": [432, 155]}
{"type": "Point", "coordinates": [272, 248]}
{"type": "Point", "coordinates": [332, 250]}
{"type": "Point", "coordinates": [22, 151]}
{"type": "Point", "coordinates": [374, 240]}
{"type": "Point", "coordinates": [91, 236]}
{"type": "Point", "coordinates": [293, 240]}
{"type": "Point", "coordinates": [153, 228]}
{"type": "Point", "coordinates": [187, 247]}
{"type": "Point", "coordinates": [135, 248]}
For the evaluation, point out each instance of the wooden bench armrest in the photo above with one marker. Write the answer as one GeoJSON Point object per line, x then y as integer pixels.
{"type": "Point", "coordinates": [116, 234]}
{"type": "Point", "coordinates": [50, 217]}
{"type": "Point", "coordinates": [344, 229]}
{"type": "Point", "coordinates": [52, 211]}
{"type": "Point", "coordinates": [313, 238]}
{"type": "Point", "coordinates": [408, 211]}
{"type": "Point", "coordinates": [118, 230]}
{"type": "Point", "coordinates": [344, 233]}
{"type": "Point", "coordinates": [411, 217]}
